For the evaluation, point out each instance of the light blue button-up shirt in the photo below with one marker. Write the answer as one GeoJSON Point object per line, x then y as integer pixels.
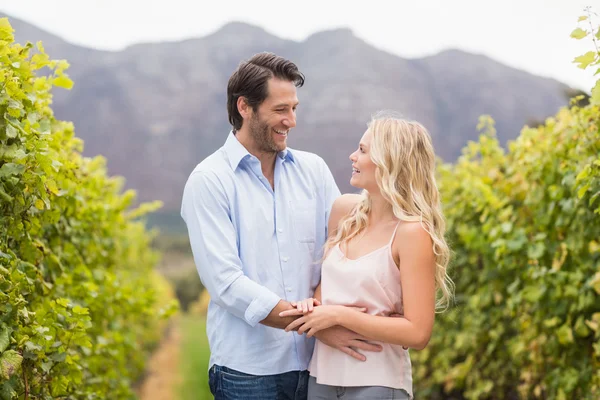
{"type": "Point", "coordinates": [254, 246]}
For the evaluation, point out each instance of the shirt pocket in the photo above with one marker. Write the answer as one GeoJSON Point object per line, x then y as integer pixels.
{"type": "Point", "coordinates": [304, 220]}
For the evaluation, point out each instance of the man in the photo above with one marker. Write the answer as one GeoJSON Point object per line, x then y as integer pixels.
{"type": "Point", "coordinates": [256, 214]}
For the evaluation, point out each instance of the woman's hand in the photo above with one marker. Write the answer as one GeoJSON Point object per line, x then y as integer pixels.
{"type": "Point", "coordinates": [302, 307]}
{"type": "Point", "coordinates": [320, 318]}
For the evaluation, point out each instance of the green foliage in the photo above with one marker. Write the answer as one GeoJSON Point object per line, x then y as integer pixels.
{"type": "Point", "coordinates": [172, 243]}
{"type": "Point", "coordinates": [188, 288]}
{"type": "Point", "coordinates": [592, 57]}
{"type": "Point", "coordinates": [194, 361]}
{"type": "Point", "coordinates": [79, 301]}
{"type": "Point", "coordinates": [524, 225]}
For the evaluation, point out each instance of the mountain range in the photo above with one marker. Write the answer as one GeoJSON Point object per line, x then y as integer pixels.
{"type": "Point", "coordinates": [155, 110]}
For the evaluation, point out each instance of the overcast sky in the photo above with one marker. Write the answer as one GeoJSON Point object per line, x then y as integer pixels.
{"type": "Point", "coordinates": [532, 35]}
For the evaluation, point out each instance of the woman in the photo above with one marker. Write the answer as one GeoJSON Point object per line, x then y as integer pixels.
{"type": "Point", "coordinates": [385, 255]}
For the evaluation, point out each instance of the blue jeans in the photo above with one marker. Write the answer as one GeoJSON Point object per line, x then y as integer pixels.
{"type": "Point", "coordinates": [228, 384]}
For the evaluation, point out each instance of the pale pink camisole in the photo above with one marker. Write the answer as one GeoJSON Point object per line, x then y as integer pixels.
{"type": "Point", "coordinates": [371, 281]}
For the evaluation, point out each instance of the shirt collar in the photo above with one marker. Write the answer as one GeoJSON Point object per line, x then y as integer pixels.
{"type": "Point", "coordinates": [236, 152]}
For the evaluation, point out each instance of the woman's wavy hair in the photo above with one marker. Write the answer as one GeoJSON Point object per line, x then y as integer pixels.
{"type": "Point", "coordinates": [405, 172]}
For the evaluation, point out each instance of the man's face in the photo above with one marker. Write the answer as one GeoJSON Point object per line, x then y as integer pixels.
{"type": "Point", "coordinates": [275, 117]}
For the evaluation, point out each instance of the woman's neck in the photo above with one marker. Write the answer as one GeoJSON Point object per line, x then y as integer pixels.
{"type": "Point", "coordinates": [381, 210]}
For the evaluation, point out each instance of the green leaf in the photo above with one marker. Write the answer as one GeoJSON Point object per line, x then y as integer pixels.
{"type": "Point", "coordinates": [5, 30]}
{"type": "Point", "coordinates": [9, 152]}
{"type": "Point", "coordinates": [39, 204]}
{"type": "Point", "coordinates": [582, 18]}
{"type": "Point", "coordinates": [552, 322]}
{"type": "Point", "coordinates": [585, 172]}
{"type": "Point", "coordinates": [4, 196]}
{"type": "Point", "coordinates": [536, 251]}
{"type": "Point", "coordinates": [585, 59]}
{"type": "Point", "coordinates": [32, 346]}
{"type": "Point", "coordinates": [533, 293]}
{"type": "Point", "coordinates": [19, 155]}
{"type": "Point", "coordinates": [7, 392]}
{"type": "Point", "coordinates": [595, 96]}
{"type": "Point", "coordinates": [506, 227]}
{"type": "Point", "coordinates": [4, 337]}
{"type": "Point", "coordinates": [51, 186]}
{"type": "Point", "coordinates": [582, 190]}
{"type": "Point", "coordinates": [80, 310]}
{"type": "Point", "coordinates": [11, 131]}
{"type": "Point", "coordinates": [10, 361]}
{"type": "Point", "coordinates": [594, 198]}
{"type": "Point", "coordinates": [63, 302]}
{"type": "Point", "coordinates": [581, 328]}
{"type": "Point", "coordinates": [47, 366]}
{"type": "Point", "coordinates": [9, 169]}
{"type": "Point", "coordinates": [58, 357]}
{"type": "Point", "coordinates": [565, 334]}
{"type": "Point", "coordinates": [595, 282]}
{"type": "Point", "coordinates": [15, 104]}
{"type": "Point", "coordinates": [63, 82]}
{"type": "Point", "coordinates": [579, 33]}
{"type": "Point", "coordinates": [45, 127]}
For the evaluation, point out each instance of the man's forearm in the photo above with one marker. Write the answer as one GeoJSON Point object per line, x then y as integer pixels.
{"type": "Point", "coordinates": [274, 320]}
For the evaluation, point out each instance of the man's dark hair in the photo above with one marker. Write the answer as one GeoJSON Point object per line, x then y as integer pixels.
{"type": "Point", "coordinates": [250, 80]}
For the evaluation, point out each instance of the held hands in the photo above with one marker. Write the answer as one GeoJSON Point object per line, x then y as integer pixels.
{"type": "Point", "coordinates": [302, 307]}
{"type": "Point", "coordinates": [314, 316]}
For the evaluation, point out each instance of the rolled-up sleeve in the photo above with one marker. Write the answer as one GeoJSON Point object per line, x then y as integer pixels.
{"type": "Point", "coordinates": [205, 210]}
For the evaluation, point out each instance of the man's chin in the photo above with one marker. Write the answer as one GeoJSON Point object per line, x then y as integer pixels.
{"type": "Point", "coordinates": [280, 146]}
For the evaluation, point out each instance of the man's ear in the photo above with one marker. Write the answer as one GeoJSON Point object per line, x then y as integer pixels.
{"type": "Point", "coordinates": [244, 108]}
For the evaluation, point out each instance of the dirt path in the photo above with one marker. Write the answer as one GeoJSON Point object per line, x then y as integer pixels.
{"type": "Point", "coordinates": [163, 373]}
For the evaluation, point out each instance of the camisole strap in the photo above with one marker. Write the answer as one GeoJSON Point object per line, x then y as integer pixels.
{"type": "Point", "coordinates": [394, 234]}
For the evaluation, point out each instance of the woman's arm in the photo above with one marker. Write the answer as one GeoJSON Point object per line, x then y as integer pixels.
{"type": "Point", "coordinates": [318, 292]}
{"type": "Point", "coordinates": [417, 273]}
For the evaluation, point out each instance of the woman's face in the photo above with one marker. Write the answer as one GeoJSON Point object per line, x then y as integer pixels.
{"type": "Point", "coordinates": [363, 168]}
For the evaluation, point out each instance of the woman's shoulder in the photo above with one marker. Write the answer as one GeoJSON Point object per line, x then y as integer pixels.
{"type": "Point", "coordinates": [341, 207]}
{"type": "Point", "coordinates": [411, 235]}
{"type": "Point", "coordinates": [345, 203]}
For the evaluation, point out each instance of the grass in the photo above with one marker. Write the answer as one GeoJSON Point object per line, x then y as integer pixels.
{"type": "Point", "coordinates": [194, 358]}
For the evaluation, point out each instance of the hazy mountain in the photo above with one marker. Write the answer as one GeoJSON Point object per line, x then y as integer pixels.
{"type": "Point", "coordinates": [155, 110]}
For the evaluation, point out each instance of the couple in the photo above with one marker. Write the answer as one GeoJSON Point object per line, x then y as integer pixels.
{"type": "Point", "coordinates": [263, 218]}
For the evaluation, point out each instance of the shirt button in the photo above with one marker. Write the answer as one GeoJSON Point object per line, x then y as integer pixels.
{"type": "Point", "coordinates": [279, 230]}
{"type": "Point", "coordinates": [288, 289]}
{"type": "Point", "coordinates": [285, 259]}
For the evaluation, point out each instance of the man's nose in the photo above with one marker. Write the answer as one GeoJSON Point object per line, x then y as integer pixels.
{"type": "Point", "coordinates": [290, 120]}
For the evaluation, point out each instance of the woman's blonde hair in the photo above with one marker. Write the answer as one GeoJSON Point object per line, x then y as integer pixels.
{"type": "Point", "coordinates": [405, 172]}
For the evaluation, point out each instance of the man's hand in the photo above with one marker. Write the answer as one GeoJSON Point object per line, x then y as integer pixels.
{"type": "Point", "coordinates": [346, 341]}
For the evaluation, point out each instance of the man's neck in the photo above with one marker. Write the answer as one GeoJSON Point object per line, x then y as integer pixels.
{"type": "Point", "coordinates": [266, 159]}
